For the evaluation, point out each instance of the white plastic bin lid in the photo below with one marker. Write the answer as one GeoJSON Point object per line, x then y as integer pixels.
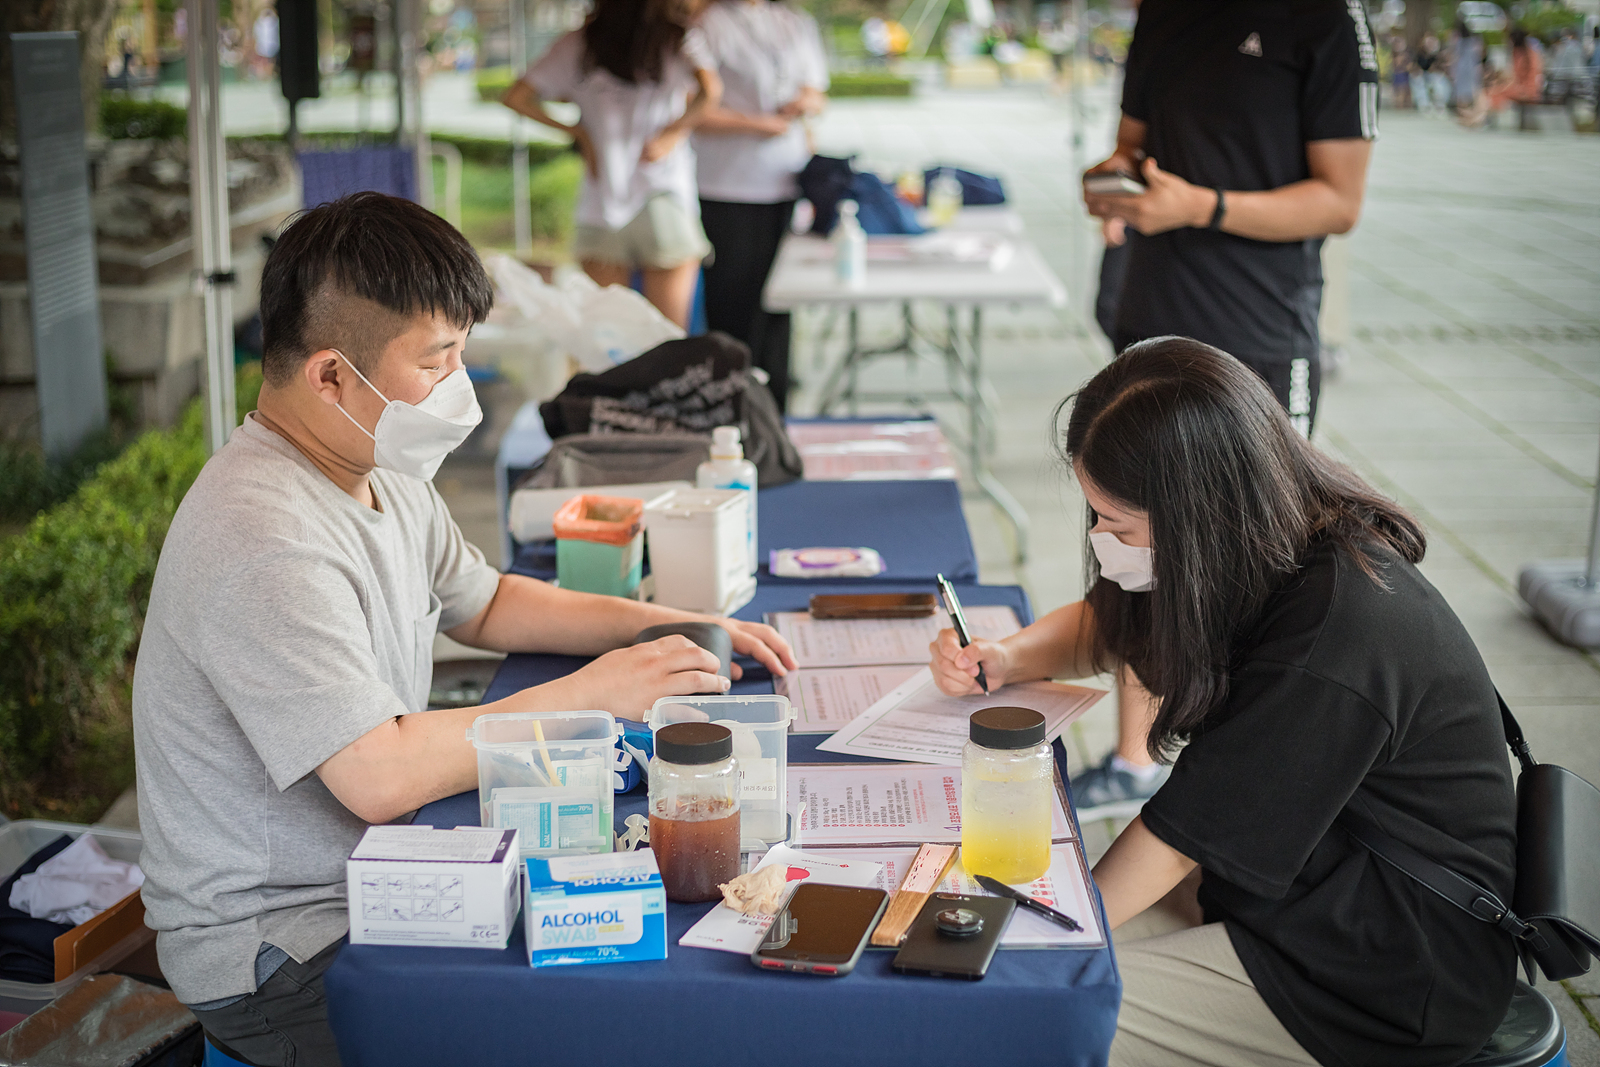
{"type": "Point", "coordinates": [761, 710]}
{"type": "Point", "coordinates": [522, 728]}
{"type": "Point", "coordinates": [687, 503]}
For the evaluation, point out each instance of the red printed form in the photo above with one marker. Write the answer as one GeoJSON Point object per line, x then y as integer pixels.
{"type": "Point", "coordinates": [855, 804]}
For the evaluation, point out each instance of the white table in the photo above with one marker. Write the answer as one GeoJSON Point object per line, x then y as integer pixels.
{"type": "Point", "coordinates": [803, 276]}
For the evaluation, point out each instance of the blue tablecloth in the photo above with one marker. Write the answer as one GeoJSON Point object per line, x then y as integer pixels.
{"type": "Point", "coordinates": [917, 526]}
{"type": "Point", "coordinates": [395, 1006]}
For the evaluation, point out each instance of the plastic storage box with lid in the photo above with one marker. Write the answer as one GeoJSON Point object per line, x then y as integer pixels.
{"type": "Point", "coordinates": [21, 839]}
{"type": "Point", "coordinates": [549, 775]}
{"type": "Point", "coordinates": [698, 552]}
{"type": "Point", "coordinates": [760, 726]}
{"type": "Point", "coordinates": [600, 544]}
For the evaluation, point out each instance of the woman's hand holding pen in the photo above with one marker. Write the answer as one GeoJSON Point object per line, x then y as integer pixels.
{"type": "Point", "coordinates": [955, 669]}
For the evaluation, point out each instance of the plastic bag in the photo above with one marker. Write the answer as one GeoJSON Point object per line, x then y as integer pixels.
{"type": "Point", "coordinates": [600, 328]}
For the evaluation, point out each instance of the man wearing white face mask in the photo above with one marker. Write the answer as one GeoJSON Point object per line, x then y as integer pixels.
{"type": "Point", "coordinates": [282, 680]}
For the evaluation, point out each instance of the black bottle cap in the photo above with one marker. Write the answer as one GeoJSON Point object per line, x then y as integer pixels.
{"type": "Point", "coordinates": [694, 743]}
{"type": "Point", "coordinates": [1006, 728]}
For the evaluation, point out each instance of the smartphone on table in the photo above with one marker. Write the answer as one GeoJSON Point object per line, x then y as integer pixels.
{"type": "Point", "coordinates": [1113, 183]}
{"type": "Point", "coordinates": [954, 936]}
{"type": "Point", "coordinates": [821, 930]}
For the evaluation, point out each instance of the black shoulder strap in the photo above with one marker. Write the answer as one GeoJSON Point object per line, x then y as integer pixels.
{"type": "Point", "coordinates": [1469, 896]}
{"type": "Point", "coordinates": [1514, 737]}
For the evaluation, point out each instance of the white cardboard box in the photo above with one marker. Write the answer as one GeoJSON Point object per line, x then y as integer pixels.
{"type": "Point", "coordinates": [415, 885]}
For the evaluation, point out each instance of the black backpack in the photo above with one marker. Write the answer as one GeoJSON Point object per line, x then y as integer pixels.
{"type": "Point", "coordinates": [688, 386]}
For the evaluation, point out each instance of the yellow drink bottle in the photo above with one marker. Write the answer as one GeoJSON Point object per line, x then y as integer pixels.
{"type": "Point", "coordinates": [1006, 778]}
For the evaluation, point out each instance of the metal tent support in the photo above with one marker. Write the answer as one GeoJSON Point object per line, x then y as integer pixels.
{"type": "Point", "coordinates": [208, 217]}
{"type": "Point", "coordinates": [521, 210]}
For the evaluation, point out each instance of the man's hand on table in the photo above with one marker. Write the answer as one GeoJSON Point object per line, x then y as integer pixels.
{"type": "Point", "coordinates": [628, 681]}
{"type": "Point", "coordinates": [761, 642]}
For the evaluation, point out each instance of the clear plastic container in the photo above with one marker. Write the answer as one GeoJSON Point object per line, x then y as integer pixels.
{"type": "Point", "coordinates": [548, 774]}
{"type": "Point", "coordinates": [694, 810]}
{"type": "Point", "coordinates": [1007, 773]}
{"type": "Point", "coordinates": [21, 839]}
{"type": "Point", "coordinates": [760, 726]}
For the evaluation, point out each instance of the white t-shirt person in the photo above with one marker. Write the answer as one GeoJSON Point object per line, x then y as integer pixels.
{"type": "Point", "coordinates": [765, 53]}
{"type": "Point", "coordinates": [620, 117]}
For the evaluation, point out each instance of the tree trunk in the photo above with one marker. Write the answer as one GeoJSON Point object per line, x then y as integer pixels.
{"type": "Point", "coordinates": [1419, 19]}
{"type": "Point", "coordinates": [89, 17]}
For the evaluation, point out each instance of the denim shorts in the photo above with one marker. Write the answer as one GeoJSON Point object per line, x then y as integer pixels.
{"type": "Point", "coordinates": [663, 235]}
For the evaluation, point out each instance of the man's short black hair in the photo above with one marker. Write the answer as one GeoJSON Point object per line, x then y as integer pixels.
{"type": "Point", "coordinates": [386, 251]}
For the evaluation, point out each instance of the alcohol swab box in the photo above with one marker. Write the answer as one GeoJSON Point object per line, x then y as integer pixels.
{"type": "Point", "coordinates": [595, 909]}
{"type": "Point", "coordinates": [415, 885]}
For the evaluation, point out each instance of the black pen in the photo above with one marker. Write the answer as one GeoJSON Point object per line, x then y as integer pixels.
{"type": "Point", "coordinates": [1025, 901]}
{"type": "Point", "coordinates": [964, 635]}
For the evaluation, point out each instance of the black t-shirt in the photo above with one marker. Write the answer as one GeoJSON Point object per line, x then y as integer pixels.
{"type": "Point", "coordinates": [1347, 695]}
{"type": "Point", "coordinates": [1231, 91]}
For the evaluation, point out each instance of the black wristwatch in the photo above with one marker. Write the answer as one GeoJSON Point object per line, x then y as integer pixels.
{"type": "Point", "coordinates": [1221, 210]}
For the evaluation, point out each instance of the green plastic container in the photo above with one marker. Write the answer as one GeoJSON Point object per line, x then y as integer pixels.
{"type": "Point", "coordinates": [600, 545]}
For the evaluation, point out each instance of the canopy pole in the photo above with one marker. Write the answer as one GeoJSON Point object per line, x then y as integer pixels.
{"type": "Point", "coordinates": [208, 217]}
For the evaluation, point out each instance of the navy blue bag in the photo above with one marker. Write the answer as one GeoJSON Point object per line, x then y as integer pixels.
{"type": "Point", "coordinates": [880, 210]}
{"type": "Point", "coordinates": [825, 181]}
{"type": "Point", "coordinates": [976, 189]}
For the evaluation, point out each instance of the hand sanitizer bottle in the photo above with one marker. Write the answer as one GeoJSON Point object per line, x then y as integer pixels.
{"type": "Point", "coordinates": [728, 469]}
{"type": "Point", "coordinates": [850, 247]}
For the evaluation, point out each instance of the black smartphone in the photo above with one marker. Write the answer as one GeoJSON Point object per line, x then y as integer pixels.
{"type": "Point", "coordinates": [954, 936]}
{"type": "Point", "coordinates": [822, 929]}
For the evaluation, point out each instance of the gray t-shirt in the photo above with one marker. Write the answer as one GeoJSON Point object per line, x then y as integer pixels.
{"type": "Point", "coordinates": [286, 620]}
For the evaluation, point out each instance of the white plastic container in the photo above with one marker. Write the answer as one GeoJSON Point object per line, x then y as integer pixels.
{"type": "Point", "coordinates": [21, 839]}
{"type": "Point", "coordinates": [760, 726]}
{"type": "Point", "coordinates": [549, 775]}
{"type": "Point", "coordinates": [698, 541]}
{"type": "Point", "coordinates": [728, 469]}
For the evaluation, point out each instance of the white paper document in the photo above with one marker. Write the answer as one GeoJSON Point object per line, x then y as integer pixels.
{"type": "Point", "coordinates": [1064, 887]}
{"type": "Point", "coordinates": [730, 931]}
{"type": "Point", "coordinates": [876, 642]}
{"type": "Point", "coordinates": [878, 804]}
{"type": "Point", "coordinates": [825, 699]}
{"type": "Point", "coordinates": [917, 722]}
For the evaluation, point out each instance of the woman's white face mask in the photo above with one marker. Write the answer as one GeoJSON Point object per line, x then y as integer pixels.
{"type": "Point", "coordinates": [1130, 567]}
{"type": "Point", "coordinates": [414, 438]}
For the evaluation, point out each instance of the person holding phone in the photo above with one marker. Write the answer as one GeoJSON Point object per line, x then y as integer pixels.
{"type": "Point", "coordinates": [1248, 124]}
{"type": "Point", "coordinates": [642, 80]}
{"type": "Point", "coordinates": [1270, 599]}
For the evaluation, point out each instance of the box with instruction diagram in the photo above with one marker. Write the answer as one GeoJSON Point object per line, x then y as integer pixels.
{"type": "Point", "coordinates": [415, 885]}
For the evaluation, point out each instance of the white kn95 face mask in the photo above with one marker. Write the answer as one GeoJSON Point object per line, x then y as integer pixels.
{"type": "Point", "coordinates": [414, 438]}
{"type": "Point", "coordinates": [1130, 567]}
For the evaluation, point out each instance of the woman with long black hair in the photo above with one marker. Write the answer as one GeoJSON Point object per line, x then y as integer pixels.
{"type": "Point", "coordinates": [642, 79]}
{"type": "Point", "coordinates": [1304, 667]}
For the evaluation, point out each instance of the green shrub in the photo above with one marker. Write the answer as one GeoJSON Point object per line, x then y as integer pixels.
{"type": "Point", "coordinates": [123, 118]}
{"type": "Point", "coordinates": [553, 192]}
{"type": "Point", "coordinates": [494, 81]}
{"type": "Point", "coordinates": [73, 591]}
{"type": "Point", "coordinates": [869, 83]}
